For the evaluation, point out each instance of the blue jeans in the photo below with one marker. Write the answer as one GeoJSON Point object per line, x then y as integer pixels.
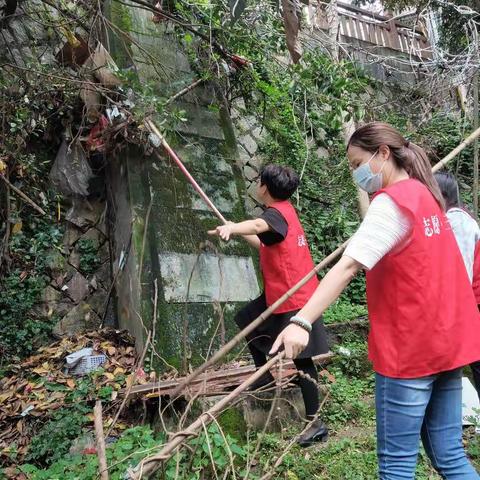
{"type": "Point", "coordinates": [427, 407]}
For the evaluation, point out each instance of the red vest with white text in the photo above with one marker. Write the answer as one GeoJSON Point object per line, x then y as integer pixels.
{"type": "Point", "coordinates": [285, 263]}
{"type": "Point", "coordinates": [422, 310]}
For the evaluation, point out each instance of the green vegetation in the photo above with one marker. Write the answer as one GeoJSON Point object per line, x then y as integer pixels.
{"type": "Point", "coordinates": [33, 252]}
{"type": "Point", "coordinates": [212, 452]}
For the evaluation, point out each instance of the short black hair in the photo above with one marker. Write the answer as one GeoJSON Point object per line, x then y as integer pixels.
{"type": "Point", "coordinates": [281, 181]}
{"type": "Point", "coordinates": [449, 188]}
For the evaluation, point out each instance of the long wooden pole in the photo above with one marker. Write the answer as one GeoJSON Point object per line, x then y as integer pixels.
{"type": "Point", "coordinates": [102, 458]}
{"type": "Point", "coordinates": [153, 128]}
{"type": "Point", "coordinates": [472, 137]}
{"type": "Point", "coordinates": [475, 145]}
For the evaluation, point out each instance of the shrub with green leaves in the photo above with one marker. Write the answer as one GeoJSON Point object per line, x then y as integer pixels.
{"type": "Point", "coordinates": [209, 454]}
{"type": "Point", "coordinates": [22, 330]}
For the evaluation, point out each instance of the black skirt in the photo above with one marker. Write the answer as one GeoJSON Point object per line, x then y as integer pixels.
{"type": "Point", "coordinates": [265, 334]}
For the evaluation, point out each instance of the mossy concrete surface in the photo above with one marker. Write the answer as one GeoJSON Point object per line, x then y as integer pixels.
{"type": "Point", "coordinates": [178, 280]}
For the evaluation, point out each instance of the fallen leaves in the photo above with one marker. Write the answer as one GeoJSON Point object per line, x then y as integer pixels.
{"type": "Point", "coordinates": [39, 385]}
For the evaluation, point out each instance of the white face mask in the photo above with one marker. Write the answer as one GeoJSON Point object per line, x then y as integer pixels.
{"type": "Point", "coordinates": [366, 179]}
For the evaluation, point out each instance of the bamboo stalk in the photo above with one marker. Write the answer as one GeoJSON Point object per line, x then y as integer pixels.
{"type": "Point", "coordinates": [475, 145]}
{"type": "Point", "coordinates": [102, 458]}
{"type": "Point", "coordinates": [150, 464]}
{"type": "Point", "coordinates": [474, 135]}
{"type": "Point", "coordinates": [153, 128]}
{"type": "Point", "coordinates": [258, 321]}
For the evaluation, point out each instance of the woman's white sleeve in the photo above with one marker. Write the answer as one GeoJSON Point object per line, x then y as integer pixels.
{"type": "Point", "coordinates": [384, 228]}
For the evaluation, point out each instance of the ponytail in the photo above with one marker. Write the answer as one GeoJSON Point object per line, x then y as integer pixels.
{"type": "Point", "coordinates": [418, 166]}
{"type": "Point", "coordinates": [412, 158]}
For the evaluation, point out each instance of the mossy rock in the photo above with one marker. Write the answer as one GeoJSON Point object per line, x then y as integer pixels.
{"type": "Point", "coordinates": [233, 423]}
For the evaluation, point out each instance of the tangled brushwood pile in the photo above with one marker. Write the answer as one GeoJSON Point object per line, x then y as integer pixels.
{"type": "Point", "coordinates": [39, 397]}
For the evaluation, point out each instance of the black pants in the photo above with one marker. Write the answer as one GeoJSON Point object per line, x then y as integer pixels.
{"type": "Point", "coordinates": [307, 381]}
{"type": "Point", "coordinates": [475, 366]}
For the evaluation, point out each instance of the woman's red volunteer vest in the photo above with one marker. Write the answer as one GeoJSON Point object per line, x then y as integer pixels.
{"type": "Point", "coordinates": [422, 310]}
{"type": "Point", "coordinates": [285, 263]}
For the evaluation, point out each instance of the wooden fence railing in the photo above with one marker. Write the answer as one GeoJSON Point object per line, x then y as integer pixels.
{"type": "Point", "coordinates": [373, 28]}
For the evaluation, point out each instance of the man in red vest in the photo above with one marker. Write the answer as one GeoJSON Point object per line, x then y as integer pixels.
{"type": "Point", "coordinates": [284, 260]}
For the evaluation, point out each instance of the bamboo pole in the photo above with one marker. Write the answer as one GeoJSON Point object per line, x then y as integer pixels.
{"type": "Point", "coordinates": [473, 136]}
{"type": "Point", "coordinates": [150, 464]}
{"type": "Point", "coordinates": [102, 459]}
{"type": "Point", "coordinates": [153, 128]}
{"type": "Point", "coordinates": [475, 145]}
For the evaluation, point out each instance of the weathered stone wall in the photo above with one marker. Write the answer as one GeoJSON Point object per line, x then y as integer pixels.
{"type": "Point", "coordinates": [79, 272]}
{"type": "Point", "coordinates": [179, 282]}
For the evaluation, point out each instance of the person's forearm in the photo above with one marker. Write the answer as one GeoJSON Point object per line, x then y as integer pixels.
{"type": "Point", "coordinates": [330, 288]}
{"type": "Point", "coordinates": [250, 227]}
{"type": "Point", "coordinates": [252, 240]}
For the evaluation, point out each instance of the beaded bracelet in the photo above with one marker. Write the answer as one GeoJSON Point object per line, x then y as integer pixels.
{"type": "Point", "coordinates": [301, 322]}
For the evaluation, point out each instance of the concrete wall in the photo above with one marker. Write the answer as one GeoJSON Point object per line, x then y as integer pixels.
{"type": "Point", "coordinates": [200, 282]}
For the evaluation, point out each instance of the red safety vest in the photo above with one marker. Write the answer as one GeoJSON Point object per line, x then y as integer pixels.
{"type": "Point", "coordinates": [422, 311]}
{"type": "Point", "coordinates": [287, 262]}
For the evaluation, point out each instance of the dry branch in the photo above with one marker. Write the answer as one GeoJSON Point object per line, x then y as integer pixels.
{"type": "Point", "coordinates": [22, 195]}
{"type": "Point", "coordinates": [184, 91]}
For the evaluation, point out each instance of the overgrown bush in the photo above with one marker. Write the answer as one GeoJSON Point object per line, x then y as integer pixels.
{"type": "Point", "coordinates": [209, 455]}
{"type": "Point", "coordinates": [22, 330]}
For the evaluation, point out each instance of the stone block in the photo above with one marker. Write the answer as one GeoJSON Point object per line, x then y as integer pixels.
{"type": "Point", "coordinates": [246, 124]}
{"type": "Point", "coordinates": [103, 275]}
{"type": "Point", "coordinates": [258, 133]}
{"type": "Point", "coordinates": [80, 318]}
{"type": "Point", "coordinates": [250, 173]}
{"type": "Point", "coordinates": [77, 287]}
{"type": "Point", "coordinates": [198, 156]}
{"type": "Point", "coordinates": [207, 278]}
{"type": "Point", "coordinates": [224, 196]}
{"type": "Point", "coordinates": [74, 259]}
{"type": "Point", "coordinates": [97, 301]}
{"type": "Point", "coordinates": [95, 236]}
{"type": "Point", "coordinates": [85, 214]}
{"type": "Point", "coordinates": [322, 153]}
{"type": "Point", "coordinates": [239, 104]}
{"type": "Point", "coordinates": [252, 192]}
{"type": "Point", "coordinates": [72, 234]}
{"type": "Point", "coordinates": [55, 261]}
{"type": "Point", "coordinates": [249, 143]}
{"type": "Point", "coordinates": [243, 155]}
{"type": "Point", "coordinates": [51, 295]}
{"type": "Point", "coordinates": [256, 161]}
{"type": "Point", "coordinates": [200, 121]}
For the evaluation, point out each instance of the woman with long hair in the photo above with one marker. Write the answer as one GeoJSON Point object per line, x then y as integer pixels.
{"type": "Point", "coordinates": [424, 322]}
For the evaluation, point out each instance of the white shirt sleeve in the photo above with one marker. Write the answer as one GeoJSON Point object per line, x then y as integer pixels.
{"type": "Point", "coordinates": [384, 228]}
